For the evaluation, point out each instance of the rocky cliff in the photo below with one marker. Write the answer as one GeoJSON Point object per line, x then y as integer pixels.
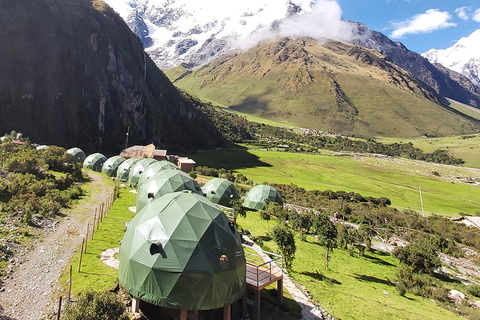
{"type": "Point", "coordinates": [72, 73]}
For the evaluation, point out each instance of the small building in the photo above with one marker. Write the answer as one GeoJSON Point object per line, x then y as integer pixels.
{"type": "Point", "coordinates": [160, 154]}
{"type": "Point", "coordinates": [469, 221]}
{"type": "Point", "coordinates": [185, 164]}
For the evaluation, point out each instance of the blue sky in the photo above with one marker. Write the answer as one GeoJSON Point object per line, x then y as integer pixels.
{"type": "Point", "coordinates": [419, 24]}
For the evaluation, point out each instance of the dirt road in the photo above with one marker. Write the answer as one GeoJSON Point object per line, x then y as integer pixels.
{"type": "Point", "coordinates": [27, 293]}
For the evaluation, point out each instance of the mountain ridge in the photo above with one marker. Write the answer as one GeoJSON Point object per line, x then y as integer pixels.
{"type": "Point", "coordinates": [463, 57]}
{"type": "Point", "coordinates": [335, 87]}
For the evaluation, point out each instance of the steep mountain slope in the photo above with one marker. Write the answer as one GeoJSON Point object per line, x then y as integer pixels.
{"type": "Point", "coordinates": [72, 73]}
{"type": "Point", "coordinates": [336, 86]}
{"type": "Point", "coordinates": [418, 66]}
{"type": "Point", "coordinates": [463, 57]}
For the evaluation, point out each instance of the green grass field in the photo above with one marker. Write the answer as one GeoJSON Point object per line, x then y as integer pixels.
{"type": "Point", "coordinates": [354, 287]}
{"type": "Point", "coordinates": [94, 273]}
{"type": "Point", "coordinates": [397, 180]}
{"type": "Point", "coordinates": [464, 147]}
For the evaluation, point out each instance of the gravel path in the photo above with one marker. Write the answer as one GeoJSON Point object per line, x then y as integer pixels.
{"type": "Point", "coordinates": [27, 293]}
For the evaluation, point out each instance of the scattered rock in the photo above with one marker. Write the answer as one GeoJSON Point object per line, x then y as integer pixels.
{"type": "Point", "coordinates": [456, 296]}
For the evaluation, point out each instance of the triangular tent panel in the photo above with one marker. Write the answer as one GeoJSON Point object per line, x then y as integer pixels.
{"type": "Point", "coordinates": [154, 168]}
{"type": "Point", "coordinates": [220, 191]}
{"type": "Point", "coordinates": [110, 166]}
{"type": "Point", "coordinates": [123, 170]}
{"type": "Point", "coordinates": [138, 169]}
{"type": "Point", "coordinates": [95, 162]}
{"type": "Point", "coordinates": [164, 182]}
{"type": "Point", "coordinates": [77, 154]}
{"type": "Point", "coordinates": [255, 198]}
{"type": "Point", "coordinates": [169, 260]}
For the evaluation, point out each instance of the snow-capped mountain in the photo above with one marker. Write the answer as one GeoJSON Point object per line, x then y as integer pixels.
{"type": "Point", "coordinates": [198, 32]}
{"type": "Point", "coordinates": [463, 57]}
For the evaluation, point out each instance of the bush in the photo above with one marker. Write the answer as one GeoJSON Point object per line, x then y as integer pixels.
{"type": "Point", "coordinates": [93, 305]}
{"type": "Point", "coordinates": [474, 290]}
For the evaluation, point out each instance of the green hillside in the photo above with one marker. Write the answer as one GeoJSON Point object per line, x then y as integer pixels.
{"type": "Point", "coordinates": [332, 87]}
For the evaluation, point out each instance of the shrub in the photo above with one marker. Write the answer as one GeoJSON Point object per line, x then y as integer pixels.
{"type": "Point", "coordinates": [93, 305]}
{"type": "Point", "coordinates": [474, 290]}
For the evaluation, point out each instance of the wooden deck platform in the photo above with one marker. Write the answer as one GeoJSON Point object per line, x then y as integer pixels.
{"type": "Point", "coordinates": [260, 277]}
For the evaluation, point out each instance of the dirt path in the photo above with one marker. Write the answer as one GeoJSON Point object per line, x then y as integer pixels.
{"type": "Point", "coordinates": [27, 293]}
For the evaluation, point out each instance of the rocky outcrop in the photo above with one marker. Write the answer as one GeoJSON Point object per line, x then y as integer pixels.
{"type": "Point", "coordinates": [72, 73]}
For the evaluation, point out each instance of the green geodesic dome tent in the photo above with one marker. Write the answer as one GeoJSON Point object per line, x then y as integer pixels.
{"type": "Point", "coordinates": [164, 182]}
{"type": "Point", "coordinates": [182, 252]}
{"type": "Point", "coordinates": [77, 154]}
{"type": "Point", "coordinates": [138, 169]}
{"type": "Point", "coordinates": [154, 168]}
{"type": "Point", "coordinates": [220, 191]}
{"type": "Point", "coordinates": [95, 162]}
{"type": "Point", "coordinates": [123, 170]}
{"type": "Point", "coordinates": [255, 198]}
{"type": "Point", "coordinates": [110, 166]}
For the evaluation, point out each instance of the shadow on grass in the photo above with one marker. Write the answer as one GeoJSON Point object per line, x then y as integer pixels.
{"type": "Point", "coordinates": [363, 277]}
{"type": "Point", "coordinates": [445, 278]}
{"type": "Point", "coordinates": [230, 159]}
{"type": "Point", "coordinates": [265, 238]}
{"type": "Point", "coordinates": [379, 261]}
{"type": "Point", "coordinates": [96, 274]}
{"type": "Point", "coordinates": [320, 277]}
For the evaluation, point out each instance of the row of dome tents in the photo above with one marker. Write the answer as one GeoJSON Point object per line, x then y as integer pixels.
{"type": "Point", "coordinates": [137, 172]}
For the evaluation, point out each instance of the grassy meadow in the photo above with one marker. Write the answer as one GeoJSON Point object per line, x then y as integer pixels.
{"type": "Point", "coordinates": [464, 147]}
{"type": "Point", "coordinates": [396, 179]}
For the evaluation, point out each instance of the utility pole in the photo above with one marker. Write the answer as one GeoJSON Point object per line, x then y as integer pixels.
{"type": "Point", "coordinates": [126, 141]}
{"type": "Point", "coordinates": [421, 201]}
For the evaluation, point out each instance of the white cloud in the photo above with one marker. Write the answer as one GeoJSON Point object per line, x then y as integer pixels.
{"type": "Point", "coordinates": [431, 20]}
{"type": "Point", "coordinates": [322, 21]}
{"type": "Point", "coordinates": [462, 12]}
{"type": "Point", "coordinates": [476, 15]}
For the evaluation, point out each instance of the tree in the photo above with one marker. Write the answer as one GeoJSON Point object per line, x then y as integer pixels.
{"type": "Point", "coordinates": [264, 215]}
{"type": "Point", "coordinates": [92, 305]}
{"type": "Point", "coordinates": [326, 233]}
{"type": "Point", "coordinates": [238, 209]}
{"type": "Point", "coordinates": [302, 222]}
{"type": "Point", "coordinates": [420, 255]}
{"type": "Point", "coordinates": [285, 240]}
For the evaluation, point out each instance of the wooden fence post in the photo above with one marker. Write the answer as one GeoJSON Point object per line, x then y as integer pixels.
{"type": "Point", "coordinates": [70, 283]}
{"type": "Point", "coordinates": [81, 255]}
{"type": "Point", "coordinates": [86, 236]}
{"type": "Point", "coordinates": [59, 308]}
{"type": "Point", "coordinates": [93, 227]}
